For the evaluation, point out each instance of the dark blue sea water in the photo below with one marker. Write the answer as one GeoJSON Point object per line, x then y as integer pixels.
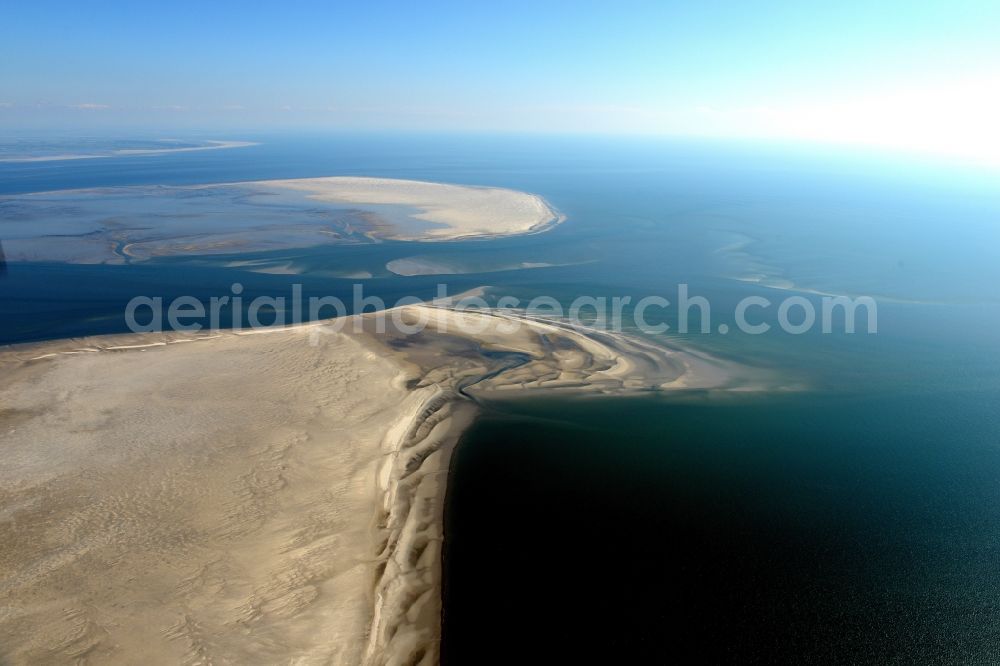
{"type": "Point", "coordinates": [854, 520]}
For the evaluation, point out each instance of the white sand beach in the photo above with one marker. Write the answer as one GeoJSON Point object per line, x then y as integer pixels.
{"type": "Point", "coordinates": [263, 497]}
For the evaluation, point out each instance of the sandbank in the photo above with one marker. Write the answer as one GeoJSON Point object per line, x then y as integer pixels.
{"type": "Point", "coordinates": [457, 211]}
{"type": "Point", "coordinates": [119, 225]}
{"type": "Point", "coordinates": [264, 497]}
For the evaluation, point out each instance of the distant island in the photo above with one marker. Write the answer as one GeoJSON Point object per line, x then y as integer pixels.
{"type": "Point", "coordinates": [44, 152]}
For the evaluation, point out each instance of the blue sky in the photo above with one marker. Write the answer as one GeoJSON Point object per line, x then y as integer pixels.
{"type": "Point", "coordinates": [903, 74]}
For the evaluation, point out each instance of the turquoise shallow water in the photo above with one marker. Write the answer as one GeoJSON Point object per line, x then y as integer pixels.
{"type": "Point", "coordinates": [855, 518]}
